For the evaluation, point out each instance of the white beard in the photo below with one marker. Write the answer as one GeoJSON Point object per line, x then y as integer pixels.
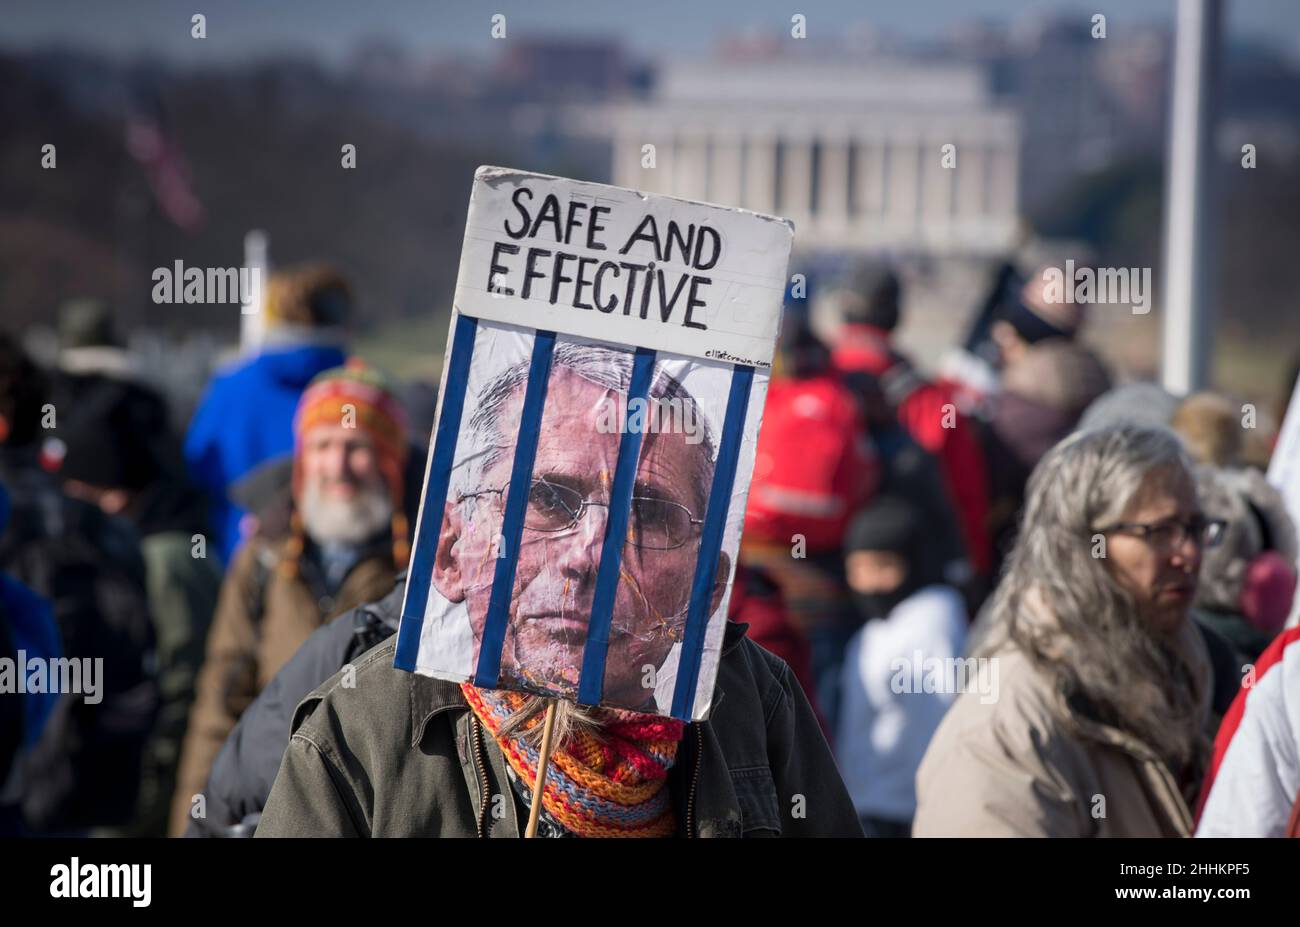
{"type": "Point", "coordinates": [347, 521]}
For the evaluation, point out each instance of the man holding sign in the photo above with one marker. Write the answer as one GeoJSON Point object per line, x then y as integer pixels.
{"type": "Point", "coordinates": [582, 509]}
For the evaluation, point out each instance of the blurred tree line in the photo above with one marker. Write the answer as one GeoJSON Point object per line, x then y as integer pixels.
{"type": "Point", "coordinates": [263, 146]}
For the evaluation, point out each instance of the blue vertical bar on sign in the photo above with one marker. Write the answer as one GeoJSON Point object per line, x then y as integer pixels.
{"type": "Point", "coordinates": [591, 682]}
{"type": "Point", "coordinates": [435, 494]}
{"type": "Point", "coordinates": [715, 521]}
{"type": "Point", "coordinates": [512, 525]}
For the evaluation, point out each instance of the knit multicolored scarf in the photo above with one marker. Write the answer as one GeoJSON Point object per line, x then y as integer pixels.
{"type": "Point", "coordinates": [612, 785]}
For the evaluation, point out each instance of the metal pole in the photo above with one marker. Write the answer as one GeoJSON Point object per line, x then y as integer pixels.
{"type": "Point", "coordinates": [1185, 362]}
{"type": "Point", "coordinates": [252, 319]}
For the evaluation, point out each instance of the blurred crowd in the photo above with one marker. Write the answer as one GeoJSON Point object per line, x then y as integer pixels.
{"type": "Point", "coordinates": [1104, 554]}
{"type": "Point", "coordinates": [193, 565]}
{"type": "Point", "coordinates": [985, 569]}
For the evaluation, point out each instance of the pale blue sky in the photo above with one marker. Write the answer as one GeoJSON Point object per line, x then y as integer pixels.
{"type": "Point", "coordinates": [238, 28]}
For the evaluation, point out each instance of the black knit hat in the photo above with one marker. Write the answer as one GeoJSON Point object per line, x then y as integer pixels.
{"type": "Point", "coordinates": [889, 523]}
{"type": "Point", "coordinates": [895, 524]}
{"type": "Point", "coordinates": [802, 353]}
{"type": "Point", "coordinates": [879, 292]}
{"type": "Point", "coordinates": [103, 443]}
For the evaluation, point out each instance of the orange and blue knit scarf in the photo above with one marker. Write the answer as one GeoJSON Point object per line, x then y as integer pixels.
{"type": "Point", "coordinates": [607, 785]}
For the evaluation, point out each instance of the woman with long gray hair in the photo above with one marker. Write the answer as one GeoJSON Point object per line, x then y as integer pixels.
{"type": "Point", "coordinates": [1082, 711]}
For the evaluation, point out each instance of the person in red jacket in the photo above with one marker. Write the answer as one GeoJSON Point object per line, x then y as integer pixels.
{"type": "Point", "coordinates": [814, 467]}
{"type": "Point", "coordinates": [926, 410]}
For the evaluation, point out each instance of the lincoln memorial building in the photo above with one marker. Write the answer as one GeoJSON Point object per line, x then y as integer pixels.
{"type": "Point", "coordinates": [853, 153]}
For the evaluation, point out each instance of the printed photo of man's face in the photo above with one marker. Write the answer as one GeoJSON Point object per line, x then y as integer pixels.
{"type": "Point", "coordinates": [564, 531]}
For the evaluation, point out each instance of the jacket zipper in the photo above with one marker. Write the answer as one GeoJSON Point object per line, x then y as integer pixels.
{"type": "Point", "coordinates": [480, 765]}
{"type": "Point", "coordinates": [695, 778]}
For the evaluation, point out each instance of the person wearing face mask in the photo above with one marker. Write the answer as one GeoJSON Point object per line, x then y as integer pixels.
{"type": "Point", "coordinates": [914, 621]}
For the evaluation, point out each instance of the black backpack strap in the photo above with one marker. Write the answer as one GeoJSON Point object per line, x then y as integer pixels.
{"type": "Point", "coordinates": [263, 564]}
{"type": "Point", "coordinates": [899, 382]}
{"type": "Point", "coordinates": [377, 621]}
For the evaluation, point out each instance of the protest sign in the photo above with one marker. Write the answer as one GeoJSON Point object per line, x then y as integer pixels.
{"type": "Point", "coordinates": [601, 399]}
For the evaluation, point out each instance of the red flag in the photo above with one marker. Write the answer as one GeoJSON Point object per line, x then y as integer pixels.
{"type": "Point", "coordinates": [167, 171]}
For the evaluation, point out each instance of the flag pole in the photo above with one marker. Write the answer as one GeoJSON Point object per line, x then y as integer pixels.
{"type": "Point", "coordinates": [543, 761]}
{"type": "Point", "coordinates": [1185, 351]}
{"type": "Point", "coordinates": [252, 318]}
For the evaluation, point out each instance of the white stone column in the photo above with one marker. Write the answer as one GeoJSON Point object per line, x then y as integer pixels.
{"type": "Point", "coordinates": [870, 154]}
{"type": "Point", "coordinates": [972, 177]}
{"type": "Point", "coordinates": [655, 179]}
{"type": "Point", "coordinates": [796, 182]}
{"type": "Point", "coordinates": [939, 183]}
{"type": "Point", "coordinates": [833, 185]}
{"type": "Point", "coordinates": [904, 183]}
{"type": "Point", "coordinates": [627, 170]}
{"type": "Point", "coordinates": [726, 181]}
{"type": "Point", "coordinates": [1013, 179]}
{"type": "Point", "coordinates": [760, 174]}
{"type": "Point", "coordinates": [1003, 183]}
{"type": "Point", "coordinates": [937, 189]}
{"type": "Point", "coordinates": [688, 174]}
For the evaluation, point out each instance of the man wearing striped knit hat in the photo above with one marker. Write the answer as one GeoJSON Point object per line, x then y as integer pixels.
{"type": "Point", "coordinates": [348, 539]}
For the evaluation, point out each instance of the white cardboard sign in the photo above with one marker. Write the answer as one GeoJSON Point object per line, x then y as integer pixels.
{"type": "Point", "coordinates": [597, 423]}
{"type": "Point", "coordinates": [610, 263]}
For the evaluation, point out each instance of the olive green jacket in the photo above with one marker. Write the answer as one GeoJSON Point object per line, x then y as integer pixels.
{"type": "Point", "coordinates": [398, 754]}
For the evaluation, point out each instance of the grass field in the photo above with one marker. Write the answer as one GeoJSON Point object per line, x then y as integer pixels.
{"type": "Point", "coordinates": [411, 349]}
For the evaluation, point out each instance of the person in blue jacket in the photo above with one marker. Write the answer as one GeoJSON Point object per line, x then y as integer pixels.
{"type": "Point", "coordinates": [246, 415]}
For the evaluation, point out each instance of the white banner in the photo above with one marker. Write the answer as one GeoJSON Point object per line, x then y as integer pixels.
{"type": "Point", "coordinates": [633, 268]}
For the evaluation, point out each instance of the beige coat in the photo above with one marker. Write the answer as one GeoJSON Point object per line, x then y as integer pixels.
{"type": "Point", "coordinates": [1025, 765]}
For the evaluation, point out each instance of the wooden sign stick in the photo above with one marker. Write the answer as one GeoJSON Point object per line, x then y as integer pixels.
{"type": "Point", "coordinates": [543, 761]}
